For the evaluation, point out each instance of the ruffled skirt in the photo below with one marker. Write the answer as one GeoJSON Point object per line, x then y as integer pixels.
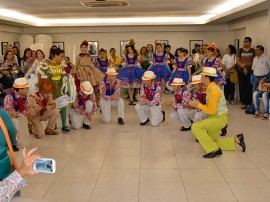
{"type": "Point", "coordinates": [130, 76]}
{"type": "Point", "coordinates": [162, 73]}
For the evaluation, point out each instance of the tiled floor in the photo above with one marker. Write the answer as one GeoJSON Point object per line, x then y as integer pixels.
{"type": "Point", "coordinates": [132, 163]}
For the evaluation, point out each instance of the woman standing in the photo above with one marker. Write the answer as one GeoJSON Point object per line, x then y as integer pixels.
{"type": "Point", "coordinates": [54, 71]}
{"type": "Point", "coordinates": [149, 52]}
{"type": "Point", "coordinates": [144, 60]}
{"type": "Point", "coordinates": [114, 59]}
{"type": "Point", "coordinates": [182, 67]}
{"type": "Point", "coordinates": [229, 64]}
{"type": "Point", "coordinates": [159, 65]}
{"type": "Point", "coordinates": [68, 66]}
{"type": "Point", "coordinates": [130, 75]}
{"type": "Point", "coordinates": [32, 74]}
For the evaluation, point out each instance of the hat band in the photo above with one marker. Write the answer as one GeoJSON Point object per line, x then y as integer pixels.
{"type": "Point", "coordinates": [196, 81]}
{"type": "Point", "coordinates": [210, 73]}
{"type": "Point", "coordinates": [20, 85]}
{"type": "Point", "coordinates": [178, 83]}
{"type": "Point", "coordinates": [83, 89]}
{"type": "Point", "coordinates": [111, 73]}
{"type": "Point", "coordinates": [150, 78]}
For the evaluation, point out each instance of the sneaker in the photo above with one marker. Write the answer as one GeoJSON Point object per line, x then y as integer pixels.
{"type": "Point", "coordinates": [144, 123]}
{"type": "Point", "coordinates": [85, 126]}
{"type": "Point", "coordinates": [15, 148]}
{"type": "Point", "coordinates": [243, 106]}
{"type": "Point", "coordinates": [120, 121]}
{"type": "Point", "coordinates": [185, 129]}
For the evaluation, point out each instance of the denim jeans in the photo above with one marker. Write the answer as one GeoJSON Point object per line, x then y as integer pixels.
{"type": "Point", "coordinates": [256, 101]}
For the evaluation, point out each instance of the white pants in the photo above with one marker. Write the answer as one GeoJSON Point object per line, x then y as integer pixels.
{"type": "Point", "coordinates": [184, 116]}
{"type": "Point", "coordinates": [156, 115]}
{"type": "Point", "coordinates": [106, 109]}
{"type": "Point", "coordinates": [199, 116]}
{"type": "Point", "coordinates": [76, 117]}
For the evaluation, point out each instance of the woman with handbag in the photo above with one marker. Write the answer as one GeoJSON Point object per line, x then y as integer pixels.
{"type": "Point", "coordinates": [228, 65]}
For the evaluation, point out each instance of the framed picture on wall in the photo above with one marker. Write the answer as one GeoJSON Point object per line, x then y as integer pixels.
{"type": "Point", "coordinates": [3, 47]}
{"type": "Point", "coordinates": [60, 45]}
{"type": "Point", "coordinates": [236, 44]}
{"type": "Point", "coordinates": [192, 44]}
{"type": "Point", "coordinates": [17, 44]}
{"type": "Point", "coordinates": [93, 48]}
{"type": "Point", "coordinates": [123, 44]}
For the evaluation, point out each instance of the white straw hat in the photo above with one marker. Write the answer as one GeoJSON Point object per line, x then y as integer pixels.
{"type": "Point", "coordinates": [86, 87]}
{"type": "Point", "coordinates": [209, 71]}
{"type": "Point", "coordinates": [177, 82]}
{"type": "Point", "coordinates": [196, 79]}
{"type": "Point", "coordinates": [111, 71]}
{"type": "Point", "coordinates": [148, 75]}
{"type": "Point", "coordinates": [20, 83]}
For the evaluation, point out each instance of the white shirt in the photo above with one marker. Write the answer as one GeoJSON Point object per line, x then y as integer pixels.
{"type": "Point", "coordinates": [261, 65]}
{"type": "Point", "coordinates": [228, 61]}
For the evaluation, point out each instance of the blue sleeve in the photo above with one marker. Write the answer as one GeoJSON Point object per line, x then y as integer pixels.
{"type": "Point", "coordinates": [9, 125]}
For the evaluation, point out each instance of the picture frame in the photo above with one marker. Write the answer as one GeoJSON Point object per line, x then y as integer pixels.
{"type": "Point", "coordinates": [17, 44]}
{"type": "Point", "coordinates": [192, 44]}
{"type": "Point", "coordinates": [123, 44]}
{"type": "Point", "coordinates": [93, 48]}
{"type": "Point", "coordinates": [60, 45]}
{"type": "Point", "coordinates": [3, 47]}
{"type": "Point", "coordinates": [236, 43]}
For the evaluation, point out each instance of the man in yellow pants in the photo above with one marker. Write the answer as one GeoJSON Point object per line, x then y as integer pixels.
{"type": "Point", "coordinates": [207, 130]}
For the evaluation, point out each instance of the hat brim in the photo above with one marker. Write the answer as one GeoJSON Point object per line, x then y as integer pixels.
{"type": "Point", "coordinates": [113, 74]}
{"type": "Point", "coordinates": [207, 74]}
{"type": "Point", "coordinates": [87, 92]}
{"type": "Point", "coordinates": [147, 78]}
{"type": "Point", "coordinates": [196, 82]}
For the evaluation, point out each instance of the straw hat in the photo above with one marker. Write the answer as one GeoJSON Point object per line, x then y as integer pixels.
{"type": "Point", "coordinates": [148, 75]}
{"type": "Point", "coordinates": [86, 87]}
{"type": "Point", "coordinates": [196, 79]}
{"type": "Point", "coordinates": [209, 71]}
{"type": "Point", "coordinates": [46, 86]}
{"type": "Point", "coordinates": [177, 81]}
{"type": "Point", "coordinates": [111, 71]}
{"type": "Point", "coordinates": [131, 42]}
{"type": "Point", "coordinates": [20, 83]}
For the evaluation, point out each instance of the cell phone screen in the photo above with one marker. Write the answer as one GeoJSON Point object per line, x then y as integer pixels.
{"type": "Point", "coordinates": [44, 165]}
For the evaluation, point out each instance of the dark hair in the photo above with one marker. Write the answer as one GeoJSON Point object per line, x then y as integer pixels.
{"type": "Point", "coordinates": [112, 49]}
{"type": "Point", "coordinates": [232, 49]}
{"type": "Point", "coordinates": [167, 46]}
{"type": "Point", "coordinates": [40, 52]}
{"type": "Point", "coordinates": [84, 43]}
{"type": "Point", "coordinates": [248, 38]}
{"type": "Point", "coordinates": [218, 52]}
{"type": "Point", "coordinates": [51, 50]}
{"type": "Point", "coordinates": [151, 47]}
{"type": "Point", "coordinates": [67, 57]}
{"type": "Point", "coordinates": [211, 78]}
{"type": "Point", "coordinates": [178, 49]}
{"type": "Point", "coordinates": [24, 53]}
{"type": "Point", "coordinates": [158, 44]}
{"type": "Point", "coordinates": [102, 50]}
{"type": "Point", "coordinates": [211, 49]}
{"type": "Point", "coordinates": [197, 45]}
{"type": "Point", "coordinates": [132, 47]}
{"type": "Point", "coordinates": [260, 47]}
{"type": "Point", "coordinates": [57, 52]}
{"type": "Point", "coordinates": [142, 48]}
{"type": "Point", "coordinates": [6, 53]}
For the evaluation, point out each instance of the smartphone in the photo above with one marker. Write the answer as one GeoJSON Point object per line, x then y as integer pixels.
{"type": "Point", "coordinates": [44, 165]}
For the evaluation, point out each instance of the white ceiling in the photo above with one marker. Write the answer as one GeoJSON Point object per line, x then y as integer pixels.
{"type": "Point", "coordinates": [72, 9]}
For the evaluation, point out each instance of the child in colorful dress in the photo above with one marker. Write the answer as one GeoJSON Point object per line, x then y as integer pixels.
{"type": "Point", "coordinates": [84, 107]}
{"type": "Point", "coordinates": [159, 65]}
{"type": "Point", "coordinates": [150, 100]}
{"type": "Point", "coordinates": [110, 96]}
{"type": "Point", "coordinates": [102, 62]}
{"type": "Point", "coordinates": [182, 66]}
{"type": "Point", "coordinates": [130, 75]}
{"type": "Point", "coordinates": [182, 112]}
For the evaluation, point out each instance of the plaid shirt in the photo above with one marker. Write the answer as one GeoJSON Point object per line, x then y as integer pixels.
{"type": "Point", "coordinates": [12, 105]}
{"type": "Point", "coordinates": [180, 99]}
{"type": "Point", "coordinates": [151, 94]}
{"type": "Point", "coordinates": [79, 104]}
{"type": "Point", "coordinates": [108, 89]}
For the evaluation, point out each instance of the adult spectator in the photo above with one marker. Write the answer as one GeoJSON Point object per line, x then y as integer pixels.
{"type": "Point", "coordinates": [114, 59]}
{"type": "Point", "coordinates": [244, 60]}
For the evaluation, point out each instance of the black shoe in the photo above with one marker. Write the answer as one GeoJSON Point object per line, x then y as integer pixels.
{"type": "Point", "coordinates": [163, 112]}
{"type": "Point", "coordinates": [242, 143]}
{"type": "Point", "coordinates": [65, 129]}
{"type": "Point", "coordinates": [249, 112]}
{"type": "Point", "coordinates": [120, 121]}
{"type": "Point", "coordinates": [144, 123]}
{"type": "Point", "coordinates": [55, 126]}
{"type": "Point", "coordinates": [197, 140]}
{"type": "Point", "coordinates": [135, 100]}
{"type": "Point", "coordinates": [185, 129]}
{"type": "Point", "coordinates": [243, 107]}
{"type": "Point", "coordinates": [223, 131]}
{"type": "Point", "coordinates": [15, 148]}
{"type": "Point", "coordinates": [213, 154]}
{"type": "Point", "coordinates": [85, 126]}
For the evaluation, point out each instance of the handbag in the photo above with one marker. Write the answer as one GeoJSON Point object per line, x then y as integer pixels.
{"type": "Point", "coordinates": [233, 75]}
{"type": "Point", "coordinates": [11, 152]}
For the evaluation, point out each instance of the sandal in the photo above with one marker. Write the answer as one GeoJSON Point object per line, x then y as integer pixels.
{"type": "Point", "coordinates": [52, 132]}
{"type": "Point", "coordinates": [131, 103]}
{"type": "Point", "coordinates": [265, 116]}
{"type": "Point", "coordinates": [256, 115]}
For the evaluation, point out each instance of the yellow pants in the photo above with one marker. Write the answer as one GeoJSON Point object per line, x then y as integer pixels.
{"type": "Point", "coordinates": [207, 132]}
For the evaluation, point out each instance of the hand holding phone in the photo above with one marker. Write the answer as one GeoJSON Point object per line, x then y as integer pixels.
{"type": "Point", "coordinates": [44, 165]}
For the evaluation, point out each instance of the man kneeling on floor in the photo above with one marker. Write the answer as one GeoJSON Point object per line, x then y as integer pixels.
{"type": "Point", "coordinates": [84, 107]}
{"type": "Point", "coordinates": [44, 105]}
{"type": "Point", "coordinates": [150, 100]}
